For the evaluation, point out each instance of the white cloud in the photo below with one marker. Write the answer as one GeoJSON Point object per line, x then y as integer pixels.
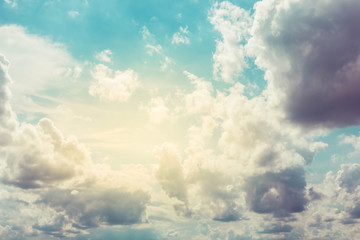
{"type": "Point", "coordinates": [354, 141]}
{"type": "Point", "coordinates": [153, 49]}
{"type": "Point", "coordinates": [104, 56]}
{"type": "Point", "coordinates": [200, 100]}
{"type": "Point", "coordinates": [118, 86]}
{"type": "Point", "coordinates": [41, 157]}
{"type": "Point", "coordinates": [170, 174]}
{"type": "Point", "coordinates": [12, 3]}
{"type": "Point", "coordinates": [52, 68]}
{"type": "Point", "coordinates": [73, 14]}
{"type": "Point", "coordinates": [167, 61]}
{"type": "Point", "coordinates": [181, 37]}
{"type": "Point", "coordinates": [146, 35]}
{"type": "Point", "coordinates": [234, 24]}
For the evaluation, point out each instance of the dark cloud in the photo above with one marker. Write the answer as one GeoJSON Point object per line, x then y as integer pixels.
{"type": "Point", "coordinates": [279, 193]}
{"type": "Point", "coordinates": [355, 212]}
{"type": "Point", "coordinates": [121, 233]}
{"type": "Point", "coordinates": [91, 208]}
{"type": "Point", "coordinates": [277, 229]}
{"type": "Point", "coordinates": [312, 51]}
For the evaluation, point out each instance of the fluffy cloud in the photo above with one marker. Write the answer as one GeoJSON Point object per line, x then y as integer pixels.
{"type": "Point", "coordinates": [40, 156]}
{"type": "Point", "coordinates": [170, 174]}
{"type": "Point", "coordinates": [200, 100]}
{"type": "Point", "coordinates": [93, 207]}
{"type": "Point", "coordinates": [72, 193]}
{"type": "Point", "coordinates": [310, 52]}
{"type": "Point", "coordinates": [181, 37]}
{"type": "Point", "coordinates": [7, 118]}
{"type": "Point", "coordinates": [104, 56]}
{"type": "Point", "coordinates": [233, 23]}
{"type": "Point", "coordinates": [118, 86]}
{"type": "Point", "coordinates": [280, 193]}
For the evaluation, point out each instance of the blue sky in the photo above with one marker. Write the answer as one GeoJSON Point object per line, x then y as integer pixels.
{"type": "Point", "coordinates": [163, 119]}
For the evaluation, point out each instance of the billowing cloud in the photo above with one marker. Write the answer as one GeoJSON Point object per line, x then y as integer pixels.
{"type": "Point", "coordinates": [310, 52]}
{"type": "Point", "coordinates": [118, 86]}
{"type": "Point", "coordinates": [200, 100]}
{"type": "Point", "coordinates": [7, 118]}
{"type": "Point", "coordinates": [93, 207]}
{"type": "Point", "coordinates": [170, 173]}
{"type": "Point", "coordinates": [279, 193]}
{"type": "Point", "coordinates": [12, 3]}
{"type": "Point", "coordinates": [72, 193]}
{"type": "Point", "coordinates": [40, 156]}
{"type": "Point", "coordinates": [233, 23]}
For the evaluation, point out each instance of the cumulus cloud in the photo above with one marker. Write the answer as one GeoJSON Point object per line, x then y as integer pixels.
{"type": "Point", "coordinates": [40, 156]}
{"type": "Point", "coordinates": [217, 195]}
{"type": "Point", "coordinates": [72, 193]}
{"type": "Point", "coordinates": [104, 56]}
{"type": "Point", "coordinates": [118, 86]}
{"type": "Point", "coordinates": [233, 23]}
{"type": "Point", "coordinates": [280, 193]}
{"type": "Point", "coordinates": [181, 37]}
{"type": "Point", "coordinates": [310, 52]}
{"type": "Point", "coordinates": [93, 207]}
{"type": "Point", "coordinates": [170, 173]}
{"type": "Point", "coordinates": [8, 120]}
{"type": "Point", "coordinates": [200, 100]}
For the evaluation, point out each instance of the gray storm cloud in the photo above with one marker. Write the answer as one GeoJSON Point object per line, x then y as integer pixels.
{"type": "Point", "coordinates": [310, 51]}
{"type": "Point", "coordinates": [280, 193]}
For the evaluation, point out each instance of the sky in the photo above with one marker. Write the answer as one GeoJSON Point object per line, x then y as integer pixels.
{"type": "Point", "coordinates": [194, 119]}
